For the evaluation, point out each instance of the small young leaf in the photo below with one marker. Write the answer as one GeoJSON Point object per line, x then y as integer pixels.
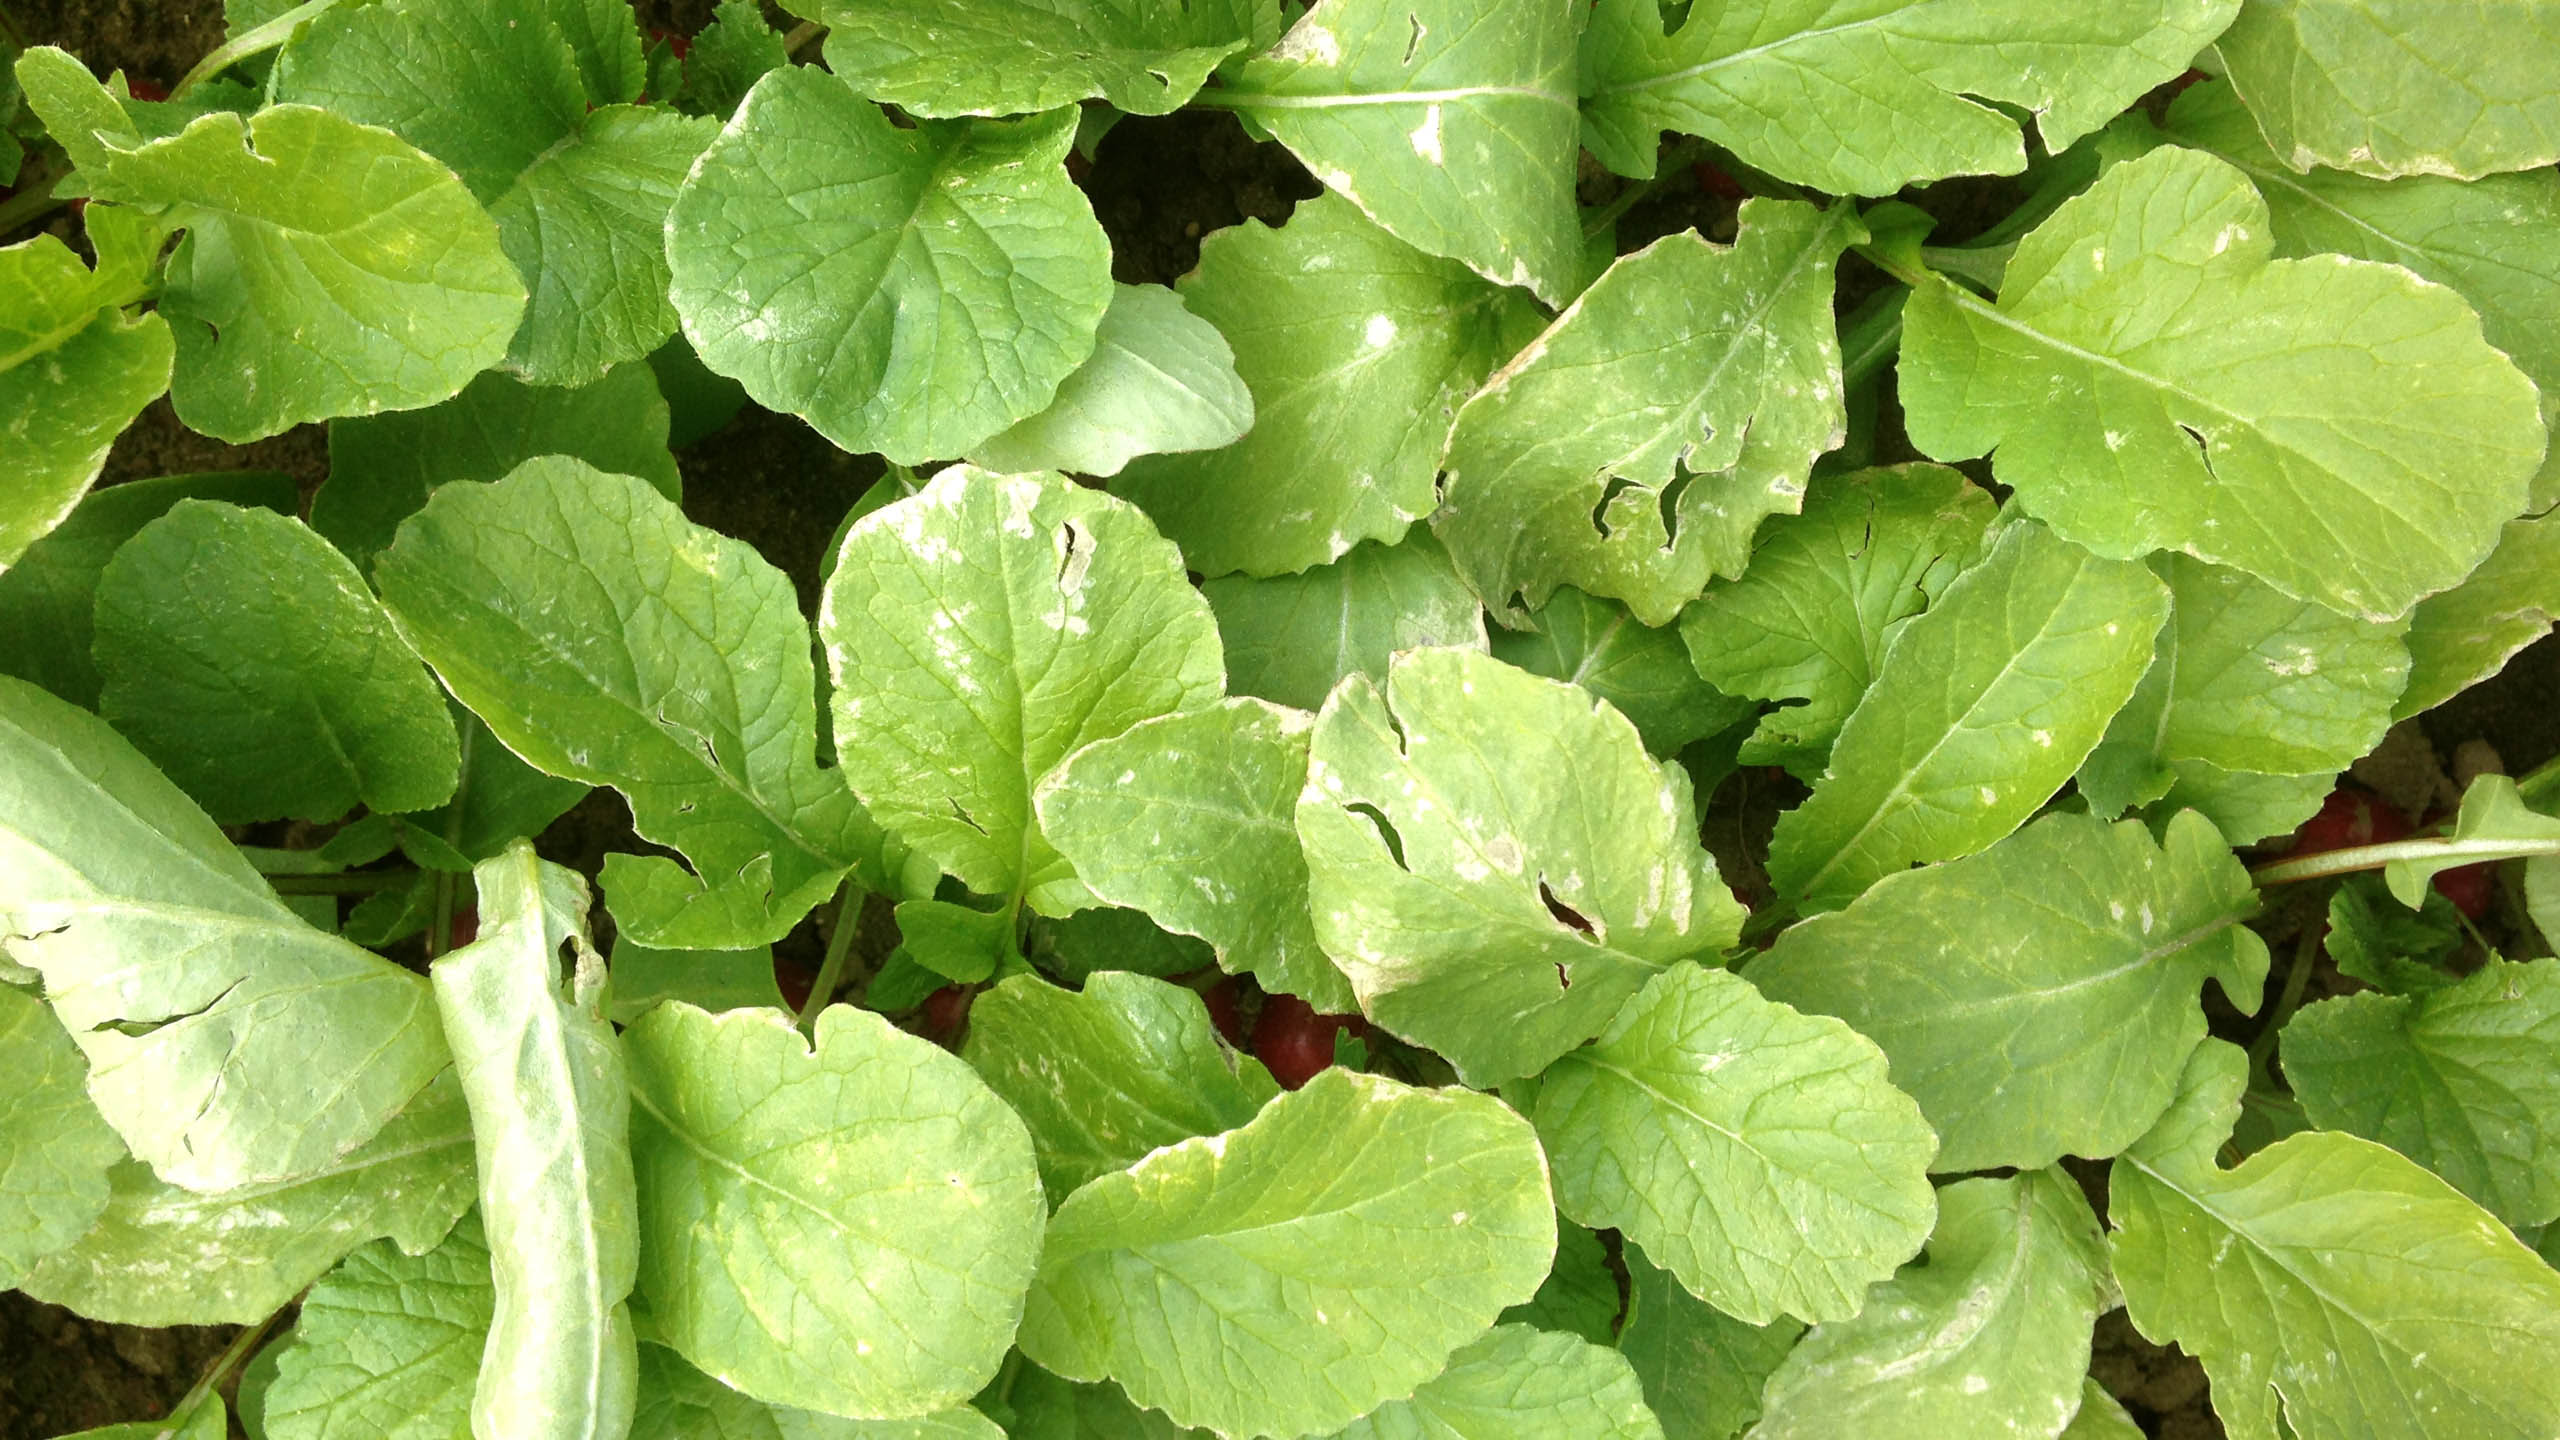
{"type": "Point", "coordinates": [74, 371]}
{"type": "Point", "coordinates": [1701, 1369]}
{"type": "Point", "coordinates": [1520, 1382]}
{"type": "Point", "coordinates": [55, 1148]}
{"type": "Point", "coordinates": [1643, 672]}
{"type": "Point", "coordinates": [954, 941]}
{"type": "Point", "coordinates": [1160, 380]}
{"type": "Point", "coordinates": [948, 58]}
{"type": "Point", "coordinates": [1291, 638]}
{"type": "Point", "coordinates": [387, 1343]}
{"type": "Point", "coordinates": [2462, 636]}
{"type": "Point", "coordinates": [727, 58]}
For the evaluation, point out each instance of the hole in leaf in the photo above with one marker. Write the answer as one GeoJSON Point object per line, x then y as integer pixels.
{"type": "Point", "coordinates": [2204, 448]}
{"type": "Point", "coordinates": [1670, 501]}
{"type": "Point", "coordinates": [1075, 556]}
{"type": "Point", "coordinates": [139, 1028]}
{"type": "Point", "coordinates": [1609, 493]}
{"type": "Point", "coordinates": [966, 818]}
{"type": "Point", "coordinates": [1386, 831]}
{"type": "Point", "coordinates": [1563, 980]}
{"type": "Point", "coordinates": [1571, 918]}
{"type": "Point", "coordinates": [1413, 46]}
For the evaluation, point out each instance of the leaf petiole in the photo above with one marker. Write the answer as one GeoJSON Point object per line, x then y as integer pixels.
{"type": "Point", "coordinates": [839, 947]}
{"type": "Point", "coordinates": [2373, 857]}
{"type": "Point", "coordinates": [242, 1346]}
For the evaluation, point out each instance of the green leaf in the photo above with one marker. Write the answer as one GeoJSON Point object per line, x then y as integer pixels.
{"type": "Point", "coordinates": [206, 1421]}
{"type": "Point", "coordinates": [249, 1251]}
{"type": "Point", "coordinates": [2328, 1277]}
{"type": "Point", "coordinates": [1643, 672]}
{"type": "Point", "coordinates": [1073, 947]}
{"type": "Point", "coordinates": [387, 1344]}
{"type": "Point", "coordinates": [1632, 450]}
{"type": "Point", "coordinates": [74, 371]}
{"type": "Point", "coordinates": [1048, 1408]}
{"type": "Point", "coordinates": [1358, 350]}
{"type": "Point", "coordinates": [1161, 379]}
{"type": "Point", "coordinates": [2459, 1079]}
{"type": "Point", "coordinates": [2388, 87]}
{"type": "Point", "coordinates": [2493, 816]}
{"type": "Point", "coordinates": [678, 1402]}
{"type": "Point", "coordinates": [2101, 1417]}
{"type": "Point", "coordinates": [1494, 861]}
{"type": "Point", "coordinates": [48, 597]}
{"type": "Point", "coordinates": [1825, 592]}
{"type": "Point", "coordinates": [228, 1042]}
{"type": "Point", "coordinates": [1701, 1369]}
{"type": "Point", "coordinates": [1108, 1075]}
{"type": "Point", "coordinates": [978, 633]}
{"type": "Point", "coordinates": [2152, 380]}
{"type": "Point", "coordinates": [249, 661]}
{"type": "Point", "coordinates": [954, 941]}
{"type": "Point", "coordinates": [1867, 100]}
{"type": "Point", "coordinates": [870, 1196]}
{"type": "Point", "coordinates": [604, 39]}
{"type": "Point", "coordinates": [1192, 819]}
{"type": "Point", "coordinates": [1524, 1383]}
{"type": "Point", "coordinates": [906, 291]}
{"type": "Point", "coordinates": [1989, 1338]}
{"type": "Point", "coordinates": [607, 639]}
{"type": "Point", "coordinates": [946, 58]}
{"type": "Point", "coordinates": [728, 57]}
{"type": "Point", "coordinates": [500, 798]}
{"type": "Point", "coordinates": [1451, 126]}
{"type": "Point", "coordinates": [2067, 1035]}
{"type": "Point", "coordinates": [1293, 1274]}
{"type": "Point", "coordinates": [1981, 708]}
{"type": "Point", "coordinates": [2462, 636]}
{"type": "Point", "coordinates": [714, 980]}
{"type": "Point", "coordinates": [1756, 1153]}
{"type": "Point", "coordinates": [55, 1148]}
{"type": "Point", "coordinates": [1579, 1295]}
{"type": "Point", "coordinates": [550, 1111]}
{"type": "Point", "coordinates": [1291, 638]}
{"type": "Point", "coordinates": [382, 468]}
{"type": "Point", "coordinates": [2388, 946]}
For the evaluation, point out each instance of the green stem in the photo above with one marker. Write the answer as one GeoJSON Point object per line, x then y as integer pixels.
{"type": "Point", "coordinates": [839, 946]}
{"type": "Point", "coordinates": [440, 916]}
{"type": "Point", "coordinates": [242, 1346]}
{"type": "Point", "coordinates": [1673, 165]}
{"type": "Point", "coordinates": [257, 41]}
{"type": "Point", "coordinates": [34, 201]}
{"type": "Point", "coordinates": [2374, 857]}
{"type": "Point", "coordinates": [2296, 980]}
{"type": "Point", "coordinates": [361, 882]}
{"type": "Point", "coordinates": [800, 36]}
{"type": "Point", "coordinates": [1871, 336]}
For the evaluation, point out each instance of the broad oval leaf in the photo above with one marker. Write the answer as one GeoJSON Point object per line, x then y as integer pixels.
{"type": "Point", "coordinates": [906, 291]}
{"type": "Point", "coordinates": [1981, 709]}
{"type": "Point", "coordinates": [228, 1042]}
{"type": "Point", "coordinates": [1160, 380]}
{"type": "Point", "coordinates": [1758, 1154]}
{"type": "Point", "coordinates": [1633, 448]}
{"type": "Point", "coordinates": [1291, 638]}
{"type": "Point", "coordinates": [1291, 1275]}
{"type": "Point", "coordinates": [55, 1148]}
{"type": "Point", "coordinates": [74, 371]}
{"type": "Point", "coordinates": [1643, 672]}
{"type": "Point", "coordinates": [1495, 862]}
{"type": "Point", "coordinates": [1520, 1383]}
{"type": "Point", "coordinates": [945, 58]}
{"type": "Point", "coordinates": [388, 1344]}
{"type": "Point", "coordinates": [1701, 1369]}
{"type": "Point", "coordinates": [980, 632]}
{"type": "Point", "coordinates": [869, 1194]}
{"type": "Point", "coordinates": [2038, 999]}
{"type": "Point", "coordinates": [2150, 380]}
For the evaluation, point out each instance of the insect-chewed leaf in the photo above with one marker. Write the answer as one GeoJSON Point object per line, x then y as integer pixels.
{"type": "Point", "coordinates": [1520, 1381]}
{"type": "Point", "coordinates": [1495, 862]}
{"type": "Point", "coordinates": [1701, 1369]}
{"type": "Point", "coordinates": [1291, 1275]}
{"type": "Point", "coordinates": [2331, 1278]}
{"type": "Point", "coordinates": [945, 58]}
{"type": "Point", "coordinates": [55, 1148]}
{"type": "Point", "coordinates": [678, 1402]}
{"type": "Point", "coordinates": [1291, 638]}
{"type": "Point", "coordinates": [388, 1343]}
{"type": "Point", "coordinates": [2150, 380]}
{"type": "Point", "coordinates": [1160, 380]}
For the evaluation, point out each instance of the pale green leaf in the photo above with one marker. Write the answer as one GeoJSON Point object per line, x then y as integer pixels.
{"type": "Point", "coordinates": [165, 1256]}
{"type": "Point", "coordinates": [1105, 1076]}
{"type": "Point", "coordinates": [2151, 380]}
{"type": "Point", "coordinates": [1358, 350]}
{"type": "Point", "coordinates": [1756, 1153]}
{"type": "Point", "coordinates": [550, 1112]}
{"type": "Point", "coordinates": [2330, 1278]}
{"type": "Point", "coordinates": [1632, 449]}
{"type": "Point", "coordinates": [2040, 998]}
{"type": "Point", "coordinates": [1989, 1338]}
{"type": "Point", "coordinates": [55, 1149]}
{"type": "Point", "coordinates": [2401, 87]}
{"type": "Point", "coordinates": [607, 639]}
{"type": "Point", "coordinates": [847, 1227]}
{"type": "Point", "coordinates": [207, 1421]}
{"type": "Point", "coordinates": [1701, 1369]}
{"type": "Point", "coordinates": [1981, 709]}
{"type": "Point", "coordinates": [2462, 636]}
{"type": "Point", "coordinates": [2101, 1417]}
{"type": "Point", "coordinates": [1161, 379]}
{"type": "Point", "coordinates": [1495, 862]}
{"type": "Point", "coordinates": [906, 291]}
{"type": "Point", "coordinates": [387, 1345]}
{"type": "Point", "coordinates": [1826, 590]}
{"type": "Point", "coordinates": [2460, 1079]}
{"type": "Point", "coordinates": [1192, 818]}
{"type": "Point", "coordinates": [978, 633]}
{"type": "Point", "coordinates": [1865, 99]}
{"type": "Point", "coordinates": [1518, 1383]}
{"type": "Point", "coordinates": [74, 371]}
{"type": "Point", "coordinates": [1291, 638]}
{"type": "Point", "coordinates": [678, 1402]}
{"type": "Point", "coordinates": [228, 1042]}
{"type": "Point", "coordinates": [1291, 1275]}
{"type": "Point", "coordinates": [1450, 124]}
{"type": "Point", "coordinates": [945, 58]}
{"type": "Point", "coordinates": [1579, 1295]}
{"type": "Point", "coordinates": [711, 979]}
{"type": "Point", "coordinates": [1643, 672]}
{"type": "Point", "coordinates": [2493, 818]}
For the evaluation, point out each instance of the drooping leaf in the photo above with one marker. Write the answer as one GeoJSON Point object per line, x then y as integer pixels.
{"type": "Point", "coordinates": [1293, 1274]}
{"type": "Point", "coordinates": [1643, 672]}
{"type": "Point", "coordinates": [609, 640]}
{"type": "Point", "coordinates": [2462, 636]}
{"type": "Point", "coordinates": [228, 1042]}
{"type": "Point", "coordinates": [1825, 592]}
{"type": "Point", "coordinates": [1105, 1076]}
{"type": "Point", "coordinates": [74, 371]}
{"type": "Point", "coordinates": [1865, 99]}
{"type": "Point", "coordinates": [1494, 861]}
{"type": "Point", "coordinates": [869, 1194]}
{"type": "Point", "coordinates": [678, 1402]}
{"type": "Point", "coordinates": [2151, 380]}
{"type": "Point", "coordinates": [1192, 818]}
{"type": "Point", "coordinates": [55, 1148]}
{"type": "Point", "coordinates": [1160, 379]}
{"type": "Point", "coordinates": [947, 58]}
{"type": "Point", "coordinates": [1701, 1369]}
{"type": "Point", "coordinates": [1632, 450]}
{"type": "Point", "coordinates": [906, 291]}
{"type": "Point", "coordinates": [1579, 1295]}
{"type": "Point", "coordinates": [980, 632]}
{"type": "Point", "coordinates": [388, 1344]}
{"type": "Point", "coordinates": [1980, 710]}
{"type": "Point", "coordinates": [1519, 1383]}
{"type": "Point", "coordinates": [1989, 1339]}
{"type": "Point", "coordinates": [1291, 638]}
{"type": "Point", "coordinates": [2037, 999]}
{"type": "Point", "coordinates": [1757, 1153]}
{"type": "Point", "coordinates": [1358, 350]}
{"type": "Point", "coordinates": [2328, 1278]}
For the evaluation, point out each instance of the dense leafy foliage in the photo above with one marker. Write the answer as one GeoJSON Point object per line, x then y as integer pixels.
{"type": "Point", "coordinates": [1289, 719]}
